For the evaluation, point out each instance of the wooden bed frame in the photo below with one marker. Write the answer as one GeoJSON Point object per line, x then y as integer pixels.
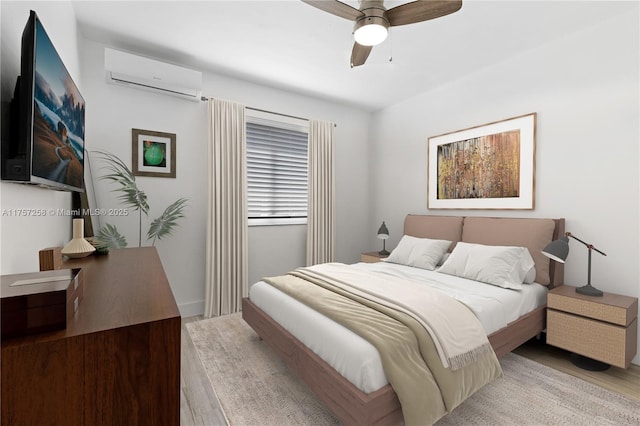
{"type": "Point", "coordinates": [382, 407]}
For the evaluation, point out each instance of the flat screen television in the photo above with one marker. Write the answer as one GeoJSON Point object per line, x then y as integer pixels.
{"type": "Point", "coordinates": [46, 146]}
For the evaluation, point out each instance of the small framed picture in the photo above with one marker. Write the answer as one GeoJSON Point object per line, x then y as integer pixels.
{"type": "Point", "coordinates": [154, 153]}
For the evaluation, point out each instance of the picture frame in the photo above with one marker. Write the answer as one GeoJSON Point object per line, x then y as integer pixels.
{"type": "Point", "coordinates": [154, 153]}
{"type": "Point", "coordinates": [490, 167]}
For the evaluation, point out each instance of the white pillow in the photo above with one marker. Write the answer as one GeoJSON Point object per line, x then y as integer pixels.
{"type": "Point", "coordinates": [421, 253]}
{"type": "Point", "coordinates": [530, 278]}
{"type": "Point", "coordinates": [503, 266]}
{"type": "Point", "coordinates": [444, 259]}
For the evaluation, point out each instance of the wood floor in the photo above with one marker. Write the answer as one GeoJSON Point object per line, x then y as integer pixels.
{"type": "Point", "coordinates": [620, 380]}
{"type": "Point", "coordinates": [200, 406]}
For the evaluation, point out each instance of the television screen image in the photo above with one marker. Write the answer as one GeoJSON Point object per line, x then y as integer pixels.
{"type": "Point", "coordinates": [58, 118]}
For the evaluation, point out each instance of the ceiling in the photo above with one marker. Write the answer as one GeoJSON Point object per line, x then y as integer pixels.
{"type": "Point", "coordinates": [293, 46]}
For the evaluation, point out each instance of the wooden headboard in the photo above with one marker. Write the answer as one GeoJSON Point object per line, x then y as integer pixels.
{"type": "Point", "coordinates": [532, 233]}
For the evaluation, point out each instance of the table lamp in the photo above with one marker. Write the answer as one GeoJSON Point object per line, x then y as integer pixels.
{"type": "Point", "coordinates": [558, 250]}
{"type": "Point", "coordinates": [383, 234]}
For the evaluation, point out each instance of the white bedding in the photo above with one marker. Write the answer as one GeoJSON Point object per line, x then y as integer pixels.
{"type": "Point", "coordinates": [357, 360]}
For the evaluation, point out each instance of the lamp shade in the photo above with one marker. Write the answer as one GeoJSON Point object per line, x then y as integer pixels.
{"type": "Point", "coordinates": [557, 250]}
{"type": "Point", "coordinates": [383, 232]}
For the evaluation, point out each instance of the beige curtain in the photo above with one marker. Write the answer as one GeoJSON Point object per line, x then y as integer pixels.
{"type": "Point", "coordinates": [321, 211]}
{"type": "Point", "coordinates": [227, 229]}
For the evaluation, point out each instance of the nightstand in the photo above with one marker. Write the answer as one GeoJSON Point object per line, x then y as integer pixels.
{"type": "Point", "coordinates": [601, 328]}
{"type": "Point", "coordinates": [372, 257]}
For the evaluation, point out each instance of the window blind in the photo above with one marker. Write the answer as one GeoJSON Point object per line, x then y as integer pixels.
{"type": "Point", "coordinates": [276, 170]}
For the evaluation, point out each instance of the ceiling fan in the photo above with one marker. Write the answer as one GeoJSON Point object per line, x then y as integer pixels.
{"type": "Point", "coordinates": [372, 20]}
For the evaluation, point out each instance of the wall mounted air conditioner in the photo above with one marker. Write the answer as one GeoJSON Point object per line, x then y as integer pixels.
{"type": "Point", "coordinates": [148, 74]}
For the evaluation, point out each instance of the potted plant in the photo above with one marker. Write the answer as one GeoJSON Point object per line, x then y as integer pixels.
{"type": "Point", "coordinates": [135, 199]}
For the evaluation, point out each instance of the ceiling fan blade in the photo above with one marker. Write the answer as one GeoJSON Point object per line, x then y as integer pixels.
{"type": "Point", "coordinates": [421, 10]}
{"type": "Point", "coordinates": [359, 54]}
{"type": "Point", "coordinates": [336, 8]}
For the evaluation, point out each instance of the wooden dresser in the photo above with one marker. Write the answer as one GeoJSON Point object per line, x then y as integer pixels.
{"type": "Point", "coordinates": [116, 363]}
{"type": "Point", "coordinates": [602, 328]}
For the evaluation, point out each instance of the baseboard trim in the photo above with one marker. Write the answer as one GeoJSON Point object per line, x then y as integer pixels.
{"type": "Point", "coordinates": [191, 309]}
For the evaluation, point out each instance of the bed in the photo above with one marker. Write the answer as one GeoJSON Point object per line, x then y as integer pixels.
{"type": "Point", "coordinates": [376, 403]}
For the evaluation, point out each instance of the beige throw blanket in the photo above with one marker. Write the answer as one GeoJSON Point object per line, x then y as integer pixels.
{"type": "Point", "coordinates": [459, 337]}
{"type": "Point", "coordinates": [426, 389]}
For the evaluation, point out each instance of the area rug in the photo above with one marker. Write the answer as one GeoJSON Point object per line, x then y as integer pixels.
{"type": "Point", "coordinates": [256, 388]}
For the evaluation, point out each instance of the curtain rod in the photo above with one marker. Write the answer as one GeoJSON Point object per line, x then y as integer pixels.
{"type": "Point", "coordinates": [204, 99]}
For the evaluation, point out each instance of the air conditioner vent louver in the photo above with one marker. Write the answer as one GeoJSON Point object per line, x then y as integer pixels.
{"type": "Point", "coordinates": [148, 74]}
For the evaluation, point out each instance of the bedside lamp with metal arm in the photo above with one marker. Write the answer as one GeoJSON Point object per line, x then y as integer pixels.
{"type": "Point", "coordinates": [558, 250]}
{"type": "Point", "coordinates": [383, 234]}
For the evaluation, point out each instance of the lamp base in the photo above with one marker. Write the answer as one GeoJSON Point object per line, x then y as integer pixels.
{"type": "Point", "coordinates": [383, 252]}
{"type": "Point", "coordinates": [588, 364]}
{"type": "Point", "coordinates": [589, 291]}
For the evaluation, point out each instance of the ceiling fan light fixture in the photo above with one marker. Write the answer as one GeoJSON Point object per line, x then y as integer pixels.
{"type": "Point", "coordinates": [372, 19]}
{"type": "Point", "coordinates": [371, 31]}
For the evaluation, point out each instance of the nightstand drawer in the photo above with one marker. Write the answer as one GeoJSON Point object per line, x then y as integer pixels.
{"type": "Point", "coordinates": [604, 342]}
{"type": "Point", "coordinates": [614, 309]}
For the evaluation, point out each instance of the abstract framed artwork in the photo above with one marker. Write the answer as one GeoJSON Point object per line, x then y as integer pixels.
{"type": "Point", "coordinates": [491, 166]}
{"type": "Point", "coordinates": [154, 153]}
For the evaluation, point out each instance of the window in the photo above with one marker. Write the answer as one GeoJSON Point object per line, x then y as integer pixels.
{"type": "Point", "coordinates": [276, 169]}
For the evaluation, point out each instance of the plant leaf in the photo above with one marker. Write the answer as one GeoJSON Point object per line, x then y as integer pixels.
{"type": "Point", "coordinates": [110, 237]}
{"type": "Point", "coordinates": [121, 175]}
{"type": "Point", "coordinates": [164, 225]}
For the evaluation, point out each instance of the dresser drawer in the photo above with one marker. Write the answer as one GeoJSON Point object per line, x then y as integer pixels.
{"type": "Point", "coordinates": [620, 310]}
{"type": "Point", "coordinates": [613, 344]}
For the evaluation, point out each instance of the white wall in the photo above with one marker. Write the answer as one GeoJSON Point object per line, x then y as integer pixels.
{"type": "Point", "coordinates": [584, 89]}
{"type": "Point", "coordinates": [23, 236]}
{"type": "Point", "coordinates": [112, 111]}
